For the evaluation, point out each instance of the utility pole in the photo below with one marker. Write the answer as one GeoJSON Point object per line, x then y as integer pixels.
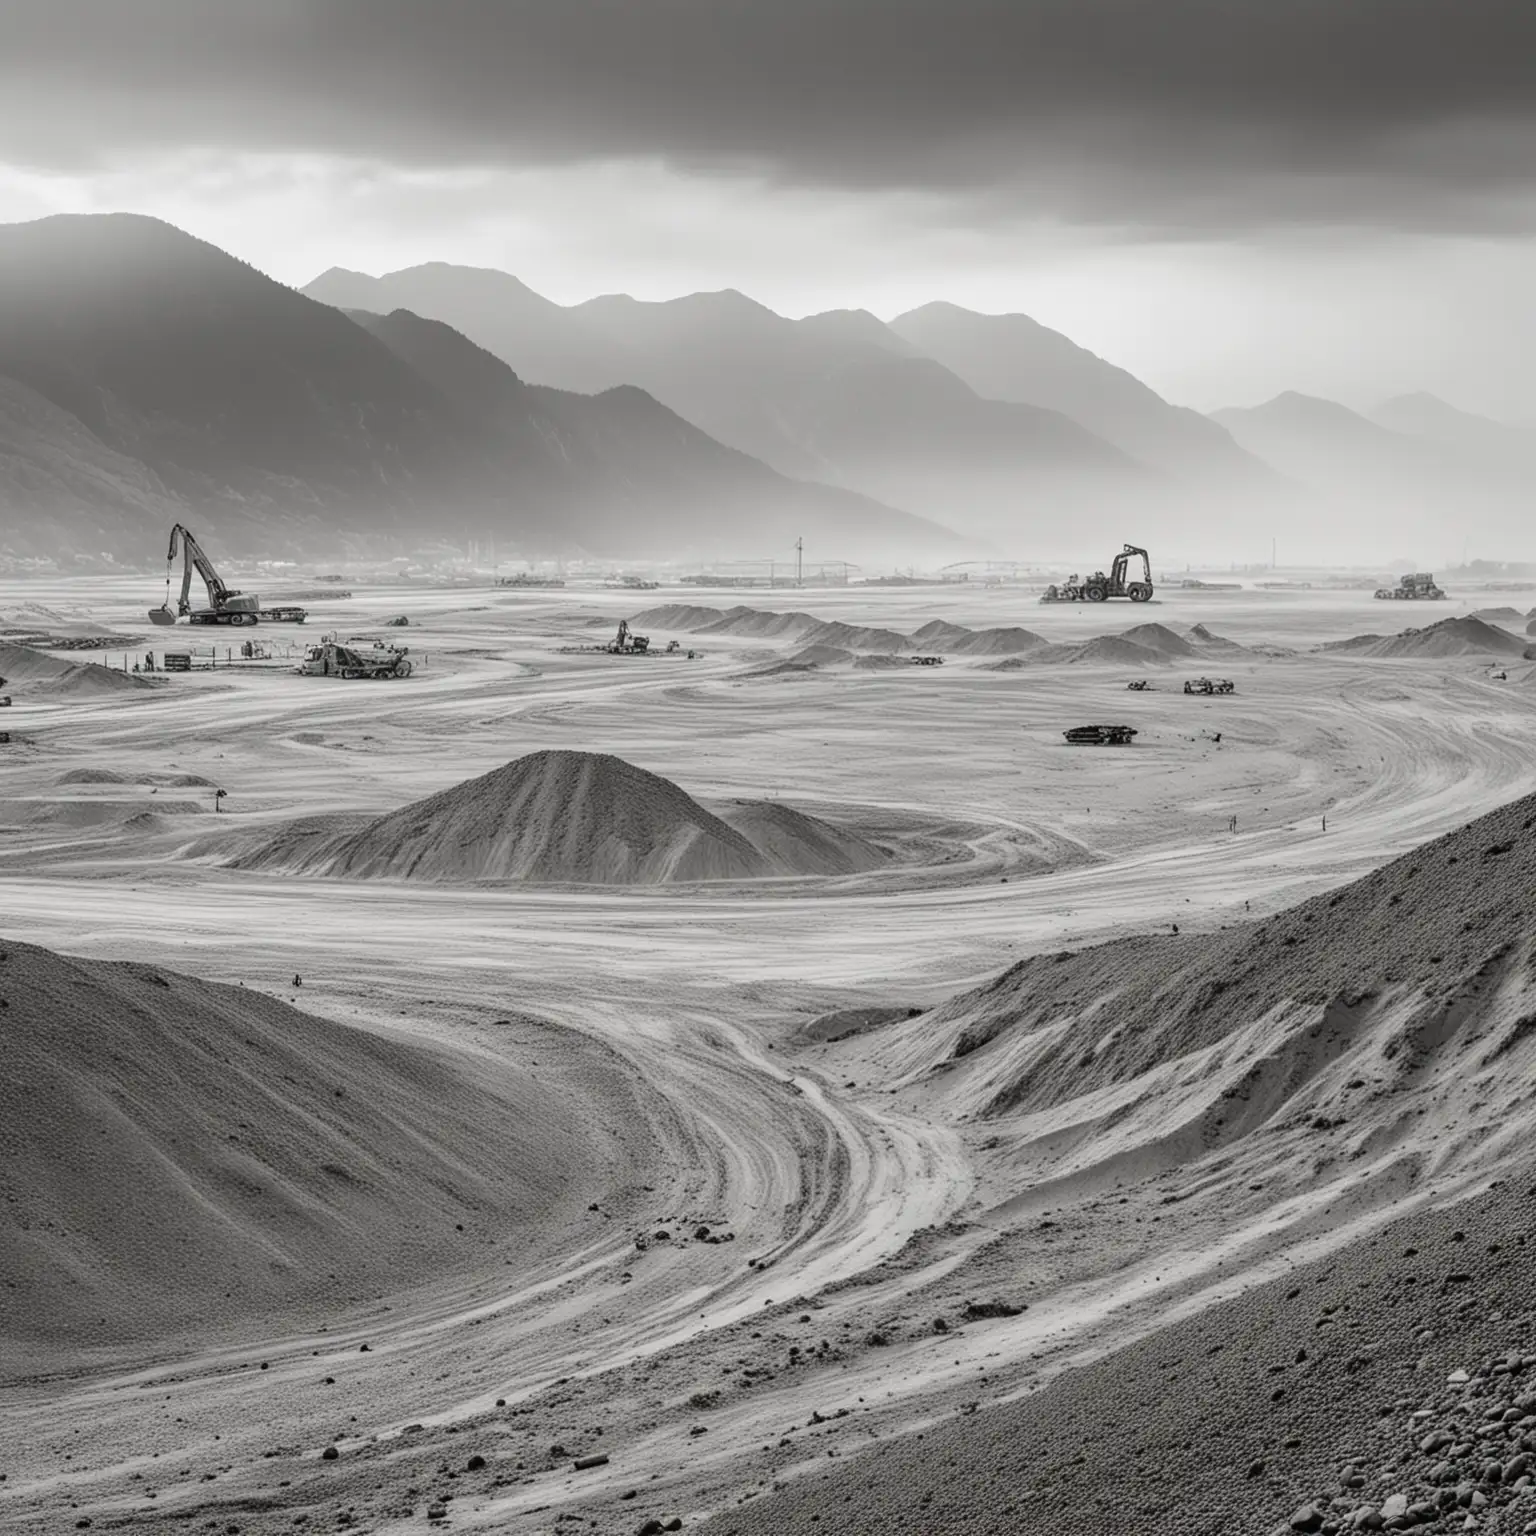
{"type": "Point", "coordinates": [799, 551]}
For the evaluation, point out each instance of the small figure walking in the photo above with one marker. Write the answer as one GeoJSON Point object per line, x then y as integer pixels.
{"type": "Point", "coordinates": [1175, 927]}
{"type": "Point", "coordinates": [298, 980]}
{"type": "Point", "coordinates": [1325, 823]}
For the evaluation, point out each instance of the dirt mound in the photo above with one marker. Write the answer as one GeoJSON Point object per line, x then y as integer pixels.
{"type": "Point", "coordinates": [1450, 637]}
{"type": "Point", "coordinates": [800, 844]}
{"type": "Point", "coordinates": [1206, 642]}
{"type": "Point", "coordinates": [682, 616]}
{"type": "Point", "coordinates": [1113, 649]}
{"type": "Point", "coordinates": [1497, 615]}
{"type": "Point", "coordinates": [755, 623]}
{"type": "Point", "coordinates": [560, 818]}
{"type": "Point", "coordinates": [177, 1155]}
{"type": "Point", "coordinates": [857, 637]}
{"type": "Point", "coordinates": [91, 776]}
{"type": "Point", "coordinates": [1159, 638]}
{"type": "Point", "coordinates": [32, 672]}
{"type": "Point", "coordinates": [822, 656]}
{"type": "Point", "coordinates": [939, 632]}
{"type": "Point", "coordinates": [1530, 628]}
{"type": "Point", "coordinates": [556, 817]}
{"type": "Point", "coordinates": [1401, 1357]}
{"type": "Point", "coordinates": [995, 642]}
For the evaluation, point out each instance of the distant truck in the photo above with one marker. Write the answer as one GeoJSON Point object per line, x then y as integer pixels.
{"type": "Point", "coordinates": [1414, 586]}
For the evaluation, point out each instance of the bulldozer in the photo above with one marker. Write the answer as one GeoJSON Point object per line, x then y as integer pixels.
{"type": "Point", "coordinates": [1099, 587]}
{"type": "Point", "coordinates": [224, 606]}
{"type": "Point", "coordinates": [1414, 586]}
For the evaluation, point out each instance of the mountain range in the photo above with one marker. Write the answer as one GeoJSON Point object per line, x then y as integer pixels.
{"type": "Point", "coordinates": [992, 424]}
{"type": "Point", "coordinates": [146, 376]}
{"type": "Point", "coordinates": [1430, 475]}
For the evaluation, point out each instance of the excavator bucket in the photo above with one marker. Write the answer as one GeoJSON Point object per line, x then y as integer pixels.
{"type": "Point", "coordinates": [162, 616]}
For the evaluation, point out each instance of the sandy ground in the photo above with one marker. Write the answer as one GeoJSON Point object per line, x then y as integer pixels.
{"type": "Point", "coordinates": [849, 1204]}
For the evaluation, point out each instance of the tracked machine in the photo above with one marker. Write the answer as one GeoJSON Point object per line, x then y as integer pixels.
{"type": "Point", "coordinates": [1209, 685]}
{"type": "Point", "coordinates": [1099, 587]}
{"type": "Point", "coordinates": [224, 606]}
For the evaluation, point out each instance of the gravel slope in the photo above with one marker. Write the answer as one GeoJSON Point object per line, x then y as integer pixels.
{"type": "Point", "coordinates": [1326, 1385]}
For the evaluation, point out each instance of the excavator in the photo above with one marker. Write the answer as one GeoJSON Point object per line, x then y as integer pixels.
{"type": "Point", "coordinates": [627, 642]}
{"type": "Point", "coordinates": [224, 606]}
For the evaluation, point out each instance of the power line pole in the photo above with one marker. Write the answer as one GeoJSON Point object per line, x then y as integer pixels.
{"type": "Point", "coordinates": [799, 573]}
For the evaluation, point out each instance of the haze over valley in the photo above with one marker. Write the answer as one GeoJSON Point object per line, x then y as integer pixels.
{"type": "Point", "coordinates": [767, 768]}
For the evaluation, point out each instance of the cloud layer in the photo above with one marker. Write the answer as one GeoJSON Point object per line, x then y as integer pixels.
{"type": "Point", "coordinates": [1214, 116]}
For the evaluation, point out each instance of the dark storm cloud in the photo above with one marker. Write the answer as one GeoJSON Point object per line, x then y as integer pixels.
{"type": "Point", "coordinates": [1200, 113]}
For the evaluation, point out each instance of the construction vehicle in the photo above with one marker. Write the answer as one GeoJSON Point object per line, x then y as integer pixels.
{"type": "Point", "coordinates": [1139, 686]}
{"type": "Point", "coordinates": [1098, 587]}
{"type": "Point", "coordinates": [627, 642]}
{"type": "Point", "coordinates": [224, 606]}
{"type": "Point", "coordinates": [330, 658]}
{"type": "Point", "coordinates": [1209, 685]}
{"type": "Point", "coordinates": [1414, 586]}
{"type": "Point", "coordinates": [926, 661]}
{"type": "Point", "coordinates": [1100, 735]}
{"type": "Point", "coordinates": [285, 613]}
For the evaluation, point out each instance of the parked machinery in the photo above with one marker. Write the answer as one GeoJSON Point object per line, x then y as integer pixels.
{"type": "Point", "coordinates": [224, 605]}
{"type": "Point", "coordinates": [1100, 735]}
{"type": "Point", "coordinates": [627, 642]}
{"type": "Point", "coordinates": [1139, 686]}
{"type": "Point", "coordinates": [352, 661]}
{"type": "Point", "coordinates": [1098, 587]}
{"type": "Point", "coordinates": [1209, 685]}
{"type": "Point", "coordinates": [1414, 586]}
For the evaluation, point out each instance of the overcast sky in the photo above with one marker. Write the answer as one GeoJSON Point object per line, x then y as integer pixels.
{"type": "Point", "coordinates": [1230, 197]}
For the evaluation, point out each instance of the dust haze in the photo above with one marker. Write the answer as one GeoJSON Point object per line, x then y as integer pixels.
{"type": "Point", "coordinates": [681, 851]}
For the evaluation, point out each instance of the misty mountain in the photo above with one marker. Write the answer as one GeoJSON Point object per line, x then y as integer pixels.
{"type": "Point", "coordinates": [1012, 357]}
{"type": "Point", "coordinates": [647, 475]}
{"type": "Point", "coordinates": [1428, 489]}
{"type": "Point", "coordinates": [1427, 416]}
{"type": "Point", "coordinates": [157, 377]}
{"type": "Point", "coordinates": [63, 491]}
{"type": "Point", "coordinates": [839, 397]}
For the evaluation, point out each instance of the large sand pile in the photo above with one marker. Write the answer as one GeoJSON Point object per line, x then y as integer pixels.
{"type": "Point", "coordinates": [177, 1155]}
{"type": "Point", "coordinates": [1159, 638]}
{"type": "Point", "coordinates": [1504, 615]}
{"type": "Point", "coordinates": [33, 672]}
{"type": "Point", "coordinates": [1428, 931]}
{"type": "Point", "coordinates": [560, 817]}
{"type": "Point", "coordinates": [1464, 636]}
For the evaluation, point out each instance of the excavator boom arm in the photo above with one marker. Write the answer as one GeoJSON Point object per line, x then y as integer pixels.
{"type": "Point", "coordinates": [218, 593]}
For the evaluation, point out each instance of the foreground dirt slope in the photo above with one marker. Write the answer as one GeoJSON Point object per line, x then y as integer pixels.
{"type": "Point", "coordinates": [1266, 1407]}
{"type": "Point", "coordinates": [176, 1154]}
